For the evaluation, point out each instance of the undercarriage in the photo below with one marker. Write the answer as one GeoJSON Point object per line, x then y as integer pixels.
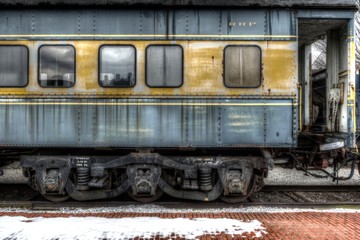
{"type": "Point", "coordinates": [146, 176]}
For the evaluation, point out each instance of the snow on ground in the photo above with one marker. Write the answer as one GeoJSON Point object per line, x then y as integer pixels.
{"type": "Point", "coordinates": [22, 228]}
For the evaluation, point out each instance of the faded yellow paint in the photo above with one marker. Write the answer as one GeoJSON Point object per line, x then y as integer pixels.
{"type": "Point", "coordinates": [203, 70]}
{"type": "Point", "coordinates": [9, 102]}
{"type": "Point", "coordinates": [87, 65]}
{"type": "Point", "coordinates": [279, 68]}
{"type": "Point", "coordinates": [352, 91]}
{"type": "Point", "coordinates": [351, 94]}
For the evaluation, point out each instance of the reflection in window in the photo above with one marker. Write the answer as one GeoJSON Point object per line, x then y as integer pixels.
{"type": "Point", "coordinates": [13, 66]}
{"type": "Point", "coordinates": [242, 66]}
{"type": "Point", "coordinates": [164, 66]}
{"type": "Point", "coordinates": [57, 66]}
{"type": "Point", "coordinates": [117, 66]}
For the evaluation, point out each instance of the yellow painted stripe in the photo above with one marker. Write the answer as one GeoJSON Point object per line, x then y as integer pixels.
{"type": "Point", "coordinates": [300, 108]}
{"type": "Point", "coordinates": [145, 35]}
{"type": "Point", "coordinates": [145, 104]}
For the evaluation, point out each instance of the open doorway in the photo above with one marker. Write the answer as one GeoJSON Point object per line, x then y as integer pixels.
{"type": "Point", "coordinates": [318, 87]}
{"type": "Point", "coordinates": [323, 75]}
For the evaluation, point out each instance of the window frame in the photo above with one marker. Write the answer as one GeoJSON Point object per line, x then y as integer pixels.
{"type": "Point", "coordinates": [182, 65]}
{"type": "Point", "coordinates": [56, 45]}
{"type": "Point", "coordinates": [224, 65]}
{"type": "Point", "coordinates": [28, 65]}
{"type": "Point", "coordinates": [99, 64]}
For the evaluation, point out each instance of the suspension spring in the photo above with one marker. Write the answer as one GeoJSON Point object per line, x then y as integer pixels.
{"type": "Point", "coordinates": [205, 179]}
{"type": "Point", "coordinates": [83, 178]}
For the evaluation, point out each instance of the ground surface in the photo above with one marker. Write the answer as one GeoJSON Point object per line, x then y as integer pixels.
{"type": "Point", "coordinates": [159, 223]}
{"type": "Point", "coordinates": [152, 221]}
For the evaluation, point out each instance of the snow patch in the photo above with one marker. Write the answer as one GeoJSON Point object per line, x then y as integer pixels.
{"type": "Point", "coordinates": [84, 228]}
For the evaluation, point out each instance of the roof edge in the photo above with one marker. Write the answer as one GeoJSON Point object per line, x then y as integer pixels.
{"type": "Point", "coordinates": [334, 4]}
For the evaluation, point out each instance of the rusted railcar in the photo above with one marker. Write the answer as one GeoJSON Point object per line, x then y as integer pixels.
{"type": "Point", "coordinates": [192, 98]}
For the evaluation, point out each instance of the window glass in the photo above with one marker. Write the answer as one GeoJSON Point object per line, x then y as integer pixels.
{"type": "Point", "coordinates": [13, 66]}
{"type": "Point", "coordinates": [57, 66]}
{"type": "Point", "coordinates": [164, 66]}
{"type": "Point", "coordinates": [117, 66]}
{"type": "Point", "coordinates": [242, 66]}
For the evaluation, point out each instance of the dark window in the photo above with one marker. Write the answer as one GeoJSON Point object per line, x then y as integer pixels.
{"type": "Point", "coordinates": [13, 66]}
{"type": "Point", "coordinates": [164, 66]}
{"type": "Point", "coordinates": [117, 66]}
{"type": "Point", "coordinates": [57, 66]}
{"type": "Point", "coordinates": [242, 66]}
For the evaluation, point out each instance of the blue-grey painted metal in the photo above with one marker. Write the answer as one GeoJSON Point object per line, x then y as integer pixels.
{"type": "Point", "coordinates": [202, 3]}
{"type": "Point", "coordinates": [163, 24]}
{"type": "Point", "coordinates": [148, 123]}
{"type": "Point", "coordinates": [277, 26]}
{"type": "Point", "coordinates": [321, 14]}
{"type": "Point", "coordinates": [206, 24]}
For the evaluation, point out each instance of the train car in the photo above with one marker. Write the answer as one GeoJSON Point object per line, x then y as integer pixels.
{"type": "Point", "coordinates": [192, 98]}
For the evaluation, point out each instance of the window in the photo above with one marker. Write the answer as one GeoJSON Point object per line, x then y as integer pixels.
{"type": "Point", "coordinates": [117, 66]}
{"type": "Point", "coordinates": [242, 66]}
{"type": "Point", "coordinates": [164, 66]}
{"type": "Point", "coordinates": [56, 66]}
{"type": "Point", "coordinates": [14, 66]}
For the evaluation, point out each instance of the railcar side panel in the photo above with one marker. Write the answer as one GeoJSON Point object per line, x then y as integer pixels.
{"type": "Point", "coordinates": [162, 24]}
{"type": "Point", "coordinates": [148, 123]}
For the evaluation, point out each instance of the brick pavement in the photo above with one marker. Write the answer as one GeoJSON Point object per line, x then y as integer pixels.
{"type": "Point", "coordinates": [287, 225]}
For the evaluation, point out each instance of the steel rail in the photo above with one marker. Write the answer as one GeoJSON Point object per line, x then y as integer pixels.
{"type": "Point", "coordinates": [311, 188]}
{"type": "Point", "coordinates": [49, 206]}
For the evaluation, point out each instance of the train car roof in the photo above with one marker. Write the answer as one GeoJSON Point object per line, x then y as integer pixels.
{"type": "Point", "coordinates": [184, 3]}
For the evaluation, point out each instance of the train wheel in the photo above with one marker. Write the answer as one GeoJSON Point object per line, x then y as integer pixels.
{"type": "Point", "coordinates": [242, 198]}
{"type": "Point", "coordinates": [56, 198]}
{"type": "Point", "coordinates": [144, 199]}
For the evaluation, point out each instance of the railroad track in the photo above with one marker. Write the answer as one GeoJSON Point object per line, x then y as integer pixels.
{"type": "Point", "coordinates": [48, 206]}
{"type": "Point", "coordinates": [290, 196]}
{"type": "Point", "coordinates": [314, 188]}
